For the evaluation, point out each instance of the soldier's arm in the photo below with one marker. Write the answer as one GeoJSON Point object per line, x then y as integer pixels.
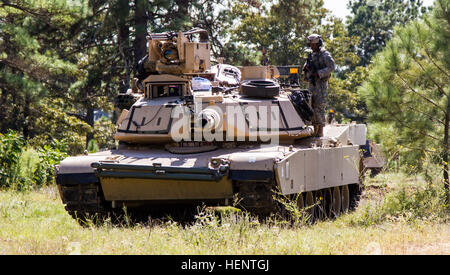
{"type": "Point", "coordinates": [326, 72]}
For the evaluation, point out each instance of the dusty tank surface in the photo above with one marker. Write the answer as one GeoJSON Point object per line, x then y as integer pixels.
{"type": "Point", "coordinates": [190, 140]}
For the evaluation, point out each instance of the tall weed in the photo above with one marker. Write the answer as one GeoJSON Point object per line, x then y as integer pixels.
{"type": "Point", "coordinates": [49, 157]}
{"type": "Point", "coordinates": [23, 167]}
{"type": "Point", "coordinates": [417, 203]}
{"type": "Point", "coordinates": [11, 147]}
{"type": "Point", "coordinates": [403, 198]}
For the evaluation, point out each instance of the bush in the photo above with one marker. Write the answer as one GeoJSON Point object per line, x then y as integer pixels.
{"type": "Point", "coordinates": [92, 146]}
{"type": "Point", "coordinates": [417, 203]}
{"type": "Point", "coordinates": [403, 198]}
{"type": "Point", "coordinates": [104, 131]}
{"type": "Point", "coordinates": [11, 146]}
{"type": "Point", "coordinates": [23, 167]}
{"type": "Point", "coordinates": [49, 157]}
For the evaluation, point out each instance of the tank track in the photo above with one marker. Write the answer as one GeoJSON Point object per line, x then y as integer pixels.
{"type": "Point", "coordinates": [256, 198]}
{"type": "Point", "coordinates": [85, 202]}
{"type": "Point", "coordinates": [259, 198]}
{"type": "Point", "coordinates": [355, 195]}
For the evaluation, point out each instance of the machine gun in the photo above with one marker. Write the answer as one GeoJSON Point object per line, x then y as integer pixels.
{"type": "Point", "coordinates": [311, 68]}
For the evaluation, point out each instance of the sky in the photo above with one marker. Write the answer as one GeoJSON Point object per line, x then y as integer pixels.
{"type": "Point", "coordinates": [339, 7]}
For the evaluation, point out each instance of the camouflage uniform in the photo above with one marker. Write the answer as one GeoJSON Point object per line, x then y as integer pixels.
{"type": "Point", "coordinates": [324, 63]}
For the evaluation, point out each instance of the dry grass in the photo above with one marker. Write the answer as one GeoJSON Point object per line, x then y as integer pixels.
{"type": "Point", "coordinates": [36, 223]}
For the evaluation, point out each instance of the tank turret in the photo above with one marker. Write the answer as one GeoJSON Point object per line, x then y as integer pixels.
{"type": "Point", "coordinates": [198, 134]}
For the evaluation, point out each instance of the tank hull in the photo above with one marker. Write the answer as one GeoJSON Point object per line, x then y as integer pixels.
{"type": "Point", "coordinates": [251, 174]}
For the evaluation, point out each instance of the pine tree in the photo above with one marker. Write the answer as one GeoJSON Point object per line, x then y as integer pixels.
{"type": "Point", "coordinates": [408, 88]}
{"type": "Point", "coordinates": [35, 38]}
{"type": "Point", "coordinates": [281, 29]}
{"type": "Point", "coordinates": [374, 21]}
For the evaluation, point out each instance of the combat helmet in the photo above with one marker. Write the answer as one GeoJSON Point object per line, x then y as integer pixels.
{"type": "Point", "coordinates": [315, 38]}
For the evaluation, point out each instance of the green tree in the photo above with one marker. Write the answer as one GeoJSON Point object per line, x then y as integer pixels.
{"type": "Point", "coordinates": [281, 28]}
{"type": "Point", "coordinates": [217, 18]}
{"type": "Point", "coordinates": [374, 20]}
{"type": "Point", "coordinates": [408, 90]}
{"type": "Point", "coordinates": [343, 96]}
{"type": "Point", "coordinates": [140, 23]}
{"type": "Point", "coordinates": [35, 39]}
{"type": "Point", "coordinates": [339, 43]}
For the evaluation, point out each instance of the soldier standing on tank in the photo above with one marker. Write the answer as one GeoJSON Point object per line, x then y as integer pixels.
{"type": "Point", "coordinates": [318, 69]}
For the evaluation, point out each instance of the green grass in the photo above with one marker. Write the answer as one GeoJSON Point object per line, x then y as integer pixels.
{"type": "Point", "coordinates": [389, 220]}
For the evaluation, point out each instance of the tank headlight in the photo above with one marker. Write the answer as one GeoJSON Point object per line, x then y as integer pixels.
{"type": "Point", "coordinates": [215, 163]}
{"type": "Point", "coordinates": [223, 169]}
{"type": "Point", "coordinates": [218, 163]}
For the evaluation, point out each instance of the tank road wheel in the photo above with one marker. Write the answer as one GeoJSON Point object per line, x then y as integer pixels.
{"type": "Point", "coordinates": [320, 209]}
{"type": "Point", "coordinates": [336, 201]}
{"type": "Point", "coordinates": [355, 194]}
{"type": "Point", "coordinates": [345, 193]}
{"type": "Point", "coordinates": [85, 202]}
{"type": "Point", "coordinates": [309, 205]}
{"type": "Point", "coordinates": [328, 202]}
{"type": "Point", "coordinates": [257, 198]}
{"type": "Point", "coordinates": [300, 201]}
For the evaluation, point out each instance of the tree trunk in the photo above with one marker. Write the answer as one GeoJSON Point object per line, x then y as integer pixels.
{"type": "Point", "coordinates": [27, 118]}
{"type": "Point", "coordinates": [89, 119]}
{"type": "Point", "coordinates": [140, 23]}
{"type": "Point", "coordinates": [445, 153]}
{"type": "Point", "coordinates": [122, 11]}
{"type": "Point", "coordinates": [3, 110]}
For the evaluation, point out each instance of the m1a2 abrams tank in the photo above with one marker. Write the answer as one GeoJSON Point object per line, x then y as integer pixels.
{"type": "Point", "coordinates": [188, 141]}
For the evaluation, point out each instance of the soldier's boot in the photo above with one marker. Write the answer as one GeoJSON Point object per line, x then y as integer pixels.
{"type": "Point", "coordinates": [318, 130]}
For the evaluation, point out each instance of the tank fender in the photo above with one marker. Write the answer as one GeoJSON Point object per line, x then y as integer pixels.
{"type": "Point", "coordinates": [313, 169]}
{"type": "Point", "coordinates": [77, 170]}
{"type": "Point", "coordinates": [253, 166]}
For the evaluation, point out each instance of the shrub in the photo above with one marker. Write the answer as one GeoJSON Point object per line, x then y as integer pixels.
{"type": "Point", "coordinates": [417, 203]}
{"type": "Point", "coordinates": [49, 157]}
{"type": "Point", "coordinates": [92, 146]}
{"type": "Point", "coordinates": [403, 198]}
{"type": "Point", "coordinates": [104, 131]}
{"type": "Point", "coordinates": [11, 146]}
{"type": "Point", "coordinates": [22, 167]}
